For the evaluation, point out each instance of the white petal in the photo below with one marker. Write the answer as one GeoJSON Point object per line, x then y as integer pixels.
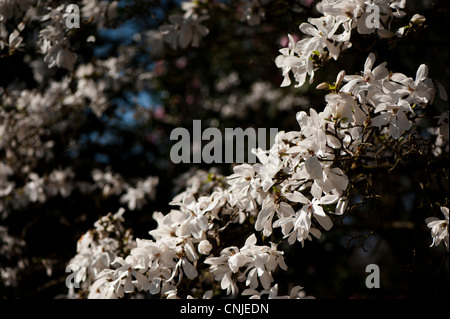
{"type": "Point", "coordinates": [403, 122]}
{"type": "Point", "coordinates": [250, 240]}
{"type": "Point", "coordinates": [316, 191]}
{"type": "Point", "coordinates": [308, 29]}
{"type": "Point", "coordinates": [189, 269]}
{"type": "Point", "coordinates": [264, 215]}
{"type": "Point", "coordinates": [285, 209]}
{"type": "Point", "coordinates": [369, 63]}
{"type": "Point", "coordinates": [142, 281]}
{"type": "Point", "coordinates": [297, 197]}
{"type": "Point", "coordinates": [266, 280]}
{"type": "Point", "coordinates": [155, 286]}
{"type": "Point", "coordinates": [329, 199]}
{"type": "Point", "coordinates": [313, 167]}
{"type": "Point", "coordinates": [421, 74]}
{"type": "Point", "coordinates": [286, 81]}
{"type": "Point", "coordinates": [252, 280]}
{"type": "Point", "coordinates": [324, 221]}
{"type": "Point", "coordinates": [380, 120]}
{"type": "Point", "coordinates": [318, 210]}
{"type": "Point", "coordinates": [128, 286]}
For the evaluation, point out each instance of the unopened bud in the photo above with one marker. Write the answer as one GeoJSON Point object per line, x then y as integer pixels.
{"type": "Point", "coordinates": [323, 86]}
{"type": "Point", "coordinates": [204, 247]}
{"type": "Point", "coordinates": [417, 19]}
{"type": "Point", "coordinates": [340, 78]}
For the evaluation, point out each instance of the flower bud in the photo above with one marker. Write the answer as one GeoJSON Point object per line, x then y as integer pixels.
{"type": "Point", "coordinates": [340, 78]}
{"type": "Point", "coordinates": [417, 19]}
{"type": "Point", "coordinates": [204, 247]}
{"type": "Point", "coordinates": [323, 86]}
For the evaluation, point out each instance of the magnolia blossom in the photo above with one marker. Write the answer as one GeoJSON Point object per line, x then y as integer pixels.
{"type": "Point", "coordinates": [439, 228]}
{"type": "Point", "coordinates": [136, 196]}
{"type": "Point", "coordinates": [393, 97]}
{"type": "Point", "coordinates": [298, 186]}
{"type": "Point", "coordinates": [60, 181]}
{"type": "Point", "coordinates": [302, 58]}
{"type": "Point", "coordinates": [15, 41]}
{"type": "Point", "coordinates": [265, 216]}
{"type": "Point", "coordinates": [250, 263]}
{"type": "Point", "coordinates": [97, 249]}
{"type": "Point", "coordinates": [290, 60]}
{"type": "Point", "coordinates": [300, 183]}
{"type": "Point", "coordinates": [359, 85]}
{"type": "Point", "coordinates": [297, 226]}
{"type": "Point", "coordinates": [395, 116]}
{"type": "Point", "coordinates": [184, 31]}
{"type": "Point", "coordinates": [54, 43]}
{"type": "Point", "coordinates": [253, 11]}
{"type": "Point", "coordinates": [34, 189]}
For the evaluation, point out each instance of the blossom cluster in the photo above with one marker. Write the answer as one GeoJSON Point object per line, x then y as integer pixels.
{"type": "Point", "coordinates": [32, 118]}
{"type": "Point", "coordinates": [226, 234]}
{"type": "Point", "coordinates": [97, 248]}
{"type": "Point", "coordinates": [297, 186]}
{"type": "Point", "coordinates": [183, 244]}
{"type": "Point", "coordinates": [36, 119]}
{"type": "Point", "coordinates": [187, 28]}
{"type": "Point", "coordinates": [28, 119]}
{"type": "Point", "coordinates": [184, 31]}
{"type": "Point", "coordinates": [54, 42]}
{"type": "Point", "coordinates": [329, 35]}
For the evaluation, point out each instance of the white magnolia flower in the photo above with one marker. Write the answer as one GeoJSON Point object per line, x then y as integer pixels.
{"type": "Point", "coordinates": [359, 85]}
{"type": "Point", "coordinates": [252, 263]}
{"type": "Point", "coordinates": [15, 41]}
{"type": "Point", "coordinates": [288, 61]}
{"type": "Point", "coordinates": [184, 31]}
{"type": "Point", "coordinates": [183, 266]}
{"type": "Point", "coordinates": [241, 182]}
{"type": "Point", "coordinates": [60, 181]}
{"type": "Point", "coordinates": [439, 228]}
{"type": "Point", "coordinates": [333, 180]}
{"type": "Point", "coordinates": [134, 197]}
{"type": "Point", "coordinates": [394, 115]}
{"type": "Point", "coordinates": [106, 287]}
{"type": "Point", "coordinates": [253, 11]}
{"type": "Point", "coordinates": [222, 271]}
{"type": "Point", "coordinates": [297, 225]}
{"type": "Point", "coordinates": [339, 107]}
{"type": "Point", "coordinates": [323, 37]}
{"type": "Point", "coordinates": [324, 32]}
{"type": "Point", "coordinates": [268, 168]}
{"type": "Point", "coordinates": [194, 220]}
{"type": "Point", "coordinates": [265, 216]}
{"type": "Point", "coordinates": [299, 57]}
{"type": "Point", "coordinates": [421, 90]}
{"type": "Point", "coordinates": [35, 189]}
{"type": "Point", "coordinates": [110, 183]}
{"type": "Point", "coordinates": [56, 47]}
